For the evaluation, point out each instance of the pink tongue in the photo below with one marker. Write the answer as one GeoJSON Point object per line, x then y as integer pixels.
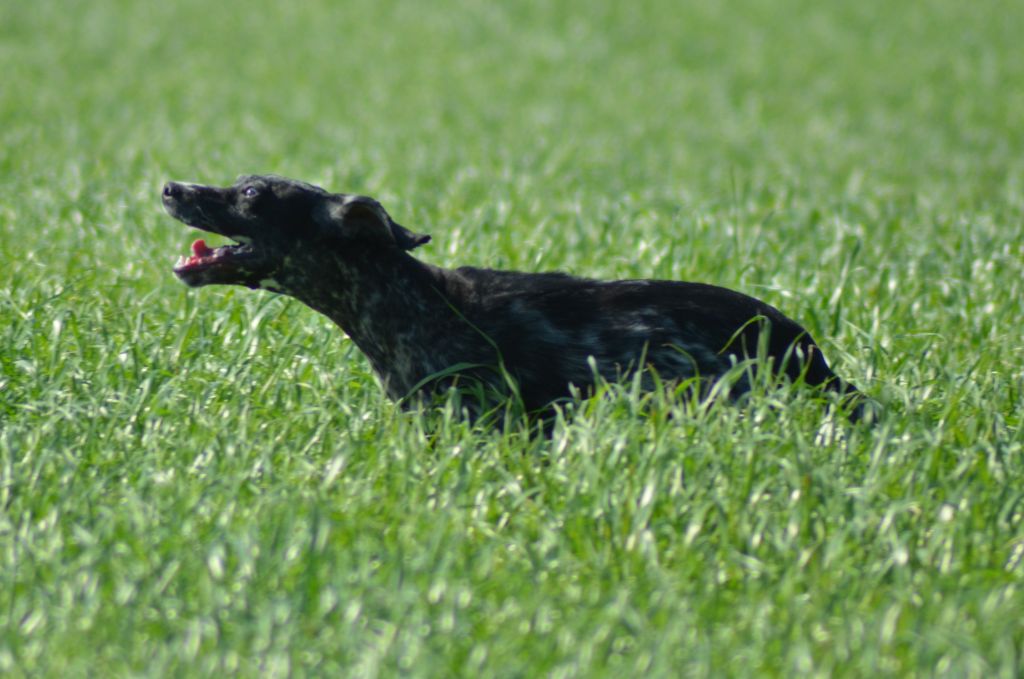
{"type": "Point", "coordinates": [199, 249]}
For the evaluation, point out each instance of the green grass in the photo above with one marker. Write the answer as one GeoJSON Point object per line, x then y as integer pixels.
{"type": "Point", "coordinates": [205, 482]}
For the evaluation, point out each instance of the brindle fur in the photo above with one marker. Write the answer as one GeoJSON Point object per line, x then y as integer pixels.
{"type": "Point", "coordinates": [343, 256]}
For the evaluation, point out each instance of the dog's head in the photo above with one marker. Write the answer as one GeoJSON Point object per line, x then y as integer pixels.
{"type": "Point", "coordinates": [271, 218]}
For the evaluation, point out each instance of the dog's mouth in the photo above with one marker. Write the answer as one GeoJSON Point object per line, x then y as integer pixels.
{"type": "Point", "coordinates": [236, 263]}
{"type": "Point", "coordinates": [239, 263]}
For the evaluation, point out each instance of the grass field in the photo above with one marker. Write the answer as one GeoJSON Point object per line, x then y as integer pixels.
{"type": "Point", "coordinates": [199, 483]}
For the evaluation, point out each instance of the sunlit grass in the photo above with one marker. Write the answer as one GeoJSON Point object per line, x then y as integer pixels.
{"type": "Point", "coordinates": [211, 481]}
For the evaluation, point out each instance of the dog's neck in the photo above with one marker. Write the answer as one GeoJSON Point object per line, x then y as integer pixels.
{"type": "Point", "coordinates": [393, 306]}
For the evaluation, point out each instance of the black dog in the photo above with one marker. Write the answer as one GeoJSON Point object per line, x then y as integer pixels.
{"type": "Point", "coordinates": [424, 327]}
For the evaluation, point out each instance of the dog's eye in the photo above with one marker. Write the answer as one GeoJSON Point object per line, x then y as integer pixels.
{"type": "Point", "coordinates": [250, 192]}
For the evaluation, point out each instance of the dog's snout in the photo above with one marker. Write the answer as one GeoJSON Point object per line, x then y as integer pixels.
{"type": "Point", "coordinates": [172, 190]}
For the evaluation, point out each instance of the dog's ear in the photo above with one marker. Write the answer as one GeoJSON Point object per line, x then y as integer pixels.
{"type": "Point", "coordinates": [363, 218]}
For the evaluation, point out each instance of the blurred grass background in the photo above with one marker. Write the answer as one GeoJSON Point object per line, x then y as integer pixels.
{"type": "Point", "coordinates": [196, 482]}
